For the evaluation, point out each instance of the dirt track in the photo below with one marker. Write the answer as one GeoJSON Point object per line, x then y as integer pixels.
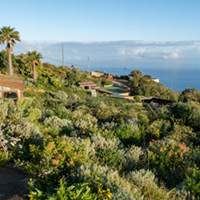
{"type": "Point", "coordinates": [13, 184]}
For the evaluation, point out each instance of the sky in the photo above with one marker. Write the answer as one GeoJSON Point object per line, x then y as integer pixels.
{"type": "Point", "coordinates": [158, 37]}
{"type": "Point", "coordinates": [103, 20]}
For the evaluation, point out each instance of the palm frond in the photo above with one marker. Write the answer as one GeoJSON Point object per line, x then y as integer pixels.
{"type": "Point", "coordinates": [9, 34]}
{"type": "Point", "coordinates": [34, 56]}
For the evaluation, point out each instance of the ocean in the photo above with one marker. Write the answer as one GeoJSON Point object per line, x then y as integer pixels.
{"type": "Point", "coordinates": [177, 78]}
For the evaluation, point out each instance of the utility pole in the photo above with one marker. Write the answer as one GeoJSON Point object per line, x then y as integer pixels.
{"type": "Point", "coordinates": [187, 85]}
{"type": "Point", "coordinates": [172, 85]}
{"type": "Point", "coordinates": [63, 63]}
{"type": "Point", "coordinates": [125, 71]}
{"type": "Point", "coordinates": [88, 64]}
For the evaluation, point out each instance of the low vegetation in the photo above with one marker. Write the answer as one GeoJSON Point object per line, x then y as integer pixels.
{"type": "Point", "coordinates": [146, 86]}
{"type": "Point", "coordinates": [81, 147]}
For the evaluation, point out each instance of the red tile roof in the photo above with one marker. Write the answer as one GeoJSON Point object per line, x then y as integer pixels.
{"type": "Point", "coordinates": [14, 81]}
{"type": "Point", "coordinates": [87, 84]}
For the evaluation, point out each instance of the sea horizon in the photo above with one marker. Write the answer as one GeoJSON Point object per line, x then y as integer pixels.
{"type": "Point", "coordinates": [175, 63]}
{"type": "Point", "coordinates": [176, 78]}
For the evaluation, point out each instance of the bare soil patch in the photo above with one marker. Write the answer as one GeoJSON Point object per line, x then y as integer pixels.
{"type": "Point", "coordinates": [13, 184]}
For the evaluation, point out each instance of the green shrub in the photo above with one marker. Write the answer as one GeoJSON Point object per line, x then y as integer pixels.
{"type": "Point", "coordinates": [111, 157]}
{"type": "Point", "coordinates": [33, 114]}
{"type": "Point", "coordinates": [61, 95]}
{"type": "Point", "coordinates": [109, 125]}
{"type": "Point", "coordinates": [3, 159]}
{"type": "Point", "coordinates": [133, 157]}
{"type": "Point", "coordinates": [47, 113]}
{"type": "Point", "coordinates": [3, 109]}
{"type": "Point", "coordinates": [30, 82]}
{"type": "Point", "coordinates": [146, 182]}
{"type": "Point", "coordinates": [137, 98]}
{"type": "Point", "coordinates": [193, 182]}
{"type": "Point", "coordinates": [169, 160]}
{"type": "Point", "coordinates": [104, 149]}
{"type": "Point", "coordinates": [21, 128]}
{"type": "Point", "coordinates": [97, 141]}
{"type": "Point", "coordinates": [143, 119]}
{"type": "Point", "coordinates": [57, 123]}
{"type": "Point", "coordinates": [52, 159]}
{"type": "Point", "coordinates": [80, 191]}
{"type": "Point", "coordinates": [188, 113]}
{"type": "Point", "coordinates": [24, 104]}
{"type": "Point", "coordinates": [73, 97]}
{"type": "Point", "coordinates": [145, 86]}
{"type": "Point", "coordinates": [62, 112]}
{"type": "Point", "coordinates": [120, 188]}
{"type": "Point", "coordinates": [128, 134]}
{"type": "Point", "coordinates": [181, 133]}
{"type": "Point", "coordinates": [158, 129]}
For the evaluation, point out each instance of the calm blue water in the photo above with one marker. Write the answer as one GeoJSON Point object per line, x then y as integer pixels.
{"type": "Point", "coordinates": [177, 78]}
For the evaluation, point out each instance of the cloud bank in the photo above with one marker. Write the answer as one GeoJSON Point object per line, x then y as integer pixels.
{"type": "Point", "coordinates": [113, 53]}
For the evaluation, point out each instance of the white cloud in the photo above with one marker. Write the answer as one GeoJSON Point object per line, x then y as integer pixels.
{"type": "Point", "coordinates": [109, 52]}
{"type": "Point", "coordinates": [173, 55]}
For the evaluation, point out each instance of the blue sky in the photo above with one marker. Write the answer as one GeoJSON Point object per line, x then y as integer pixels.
{"type": "Point", "coordinates": [103, 20]}
{"type": "Point", "coordinates": [158, 36]}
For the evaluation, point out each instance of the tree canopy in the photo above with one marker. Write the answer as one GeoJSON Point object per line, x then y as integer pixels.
{"type": "Point", "coordinates": [10, 36]}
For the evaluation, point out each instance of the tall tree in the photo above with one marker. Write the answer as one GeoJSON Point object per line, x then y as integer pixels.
{"type": "Point", "coordinates": [34, 57]}
{"type": "Point", "coordinates": [134, 82]}
{"type": "Point", "coordinates": [10, 36]}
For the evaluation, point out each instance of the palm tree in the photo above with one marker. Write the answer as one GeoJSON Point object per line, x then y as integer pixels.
{"type": "Point", "coordinates": [10, 36]}
{"type": "Point", "coordinates": [34, 57]}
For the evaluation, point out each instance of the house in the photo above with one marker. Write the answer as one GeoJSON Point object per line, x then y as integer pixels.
{"type": "Point", "coordinates": [156, 80]}
{"type": "Point", "coordinates": [156, 100]}
{"type": "Point", "coordinates": [11, 86]}
{"type": "Point", "coordinates": [98, 74]}
{"type": "Point", "coordinates": [103, 75]}
{"type": "Point", "coordinates": [87, 85]}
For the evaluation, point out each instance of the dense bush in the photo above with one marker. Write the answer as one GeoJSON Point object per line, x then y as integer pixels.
{"type": "Point", "coordinates": [80, 147]}
{"type": "Point", "coordinates": [169, 160]}
{"type": "Point", "coordinates": [21, 128]}
{"type": "Point", "coordinates": [181, 133]}
{"type": "Point", "coordinates": [146, 86]}
{"type": "Point", "coordinates": [158, 129]}
{"type": "Point", "coordinates": [81, 191]}
{"type": "Point", "coordinates": [120, 188]}
{"type": "Point", "coordinates": [61, 95]}
{"type": "Point", "coordinates": [133, 157]}
{"type": "Point", "coordinates": [145, 180]}
{"type": "Point", "coordinates": [33, 114]}
{"type": "Point", "coordinates": [188, 113]}
{"type": "Point", "coordinates": [3, 109]}
{"type": "Point", "coordinates": [52, 160]}
{"type": "Point", "coordinates": [193, 182]}
{"type": "Point", "coordinates": [57, 123]}
{"type": "Point", "coordinates": [3, 158]}
{"type": "Point", "coordinates": [128, 134]}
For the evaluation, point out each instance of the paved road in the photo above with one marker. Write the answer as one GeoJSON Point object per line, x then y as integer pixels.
{"type": "Point", "coordinates": [121, 83]}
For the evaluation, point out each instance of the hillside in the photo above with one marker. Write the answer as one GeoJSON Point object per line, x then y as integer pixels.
{"type": "Point", "coordinates": [80, 147]}
{"type": "Point", "coordinates": [146, 86]}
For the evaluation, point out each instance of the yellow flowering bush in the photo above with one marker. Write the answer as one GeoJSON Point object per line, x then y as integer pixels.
{"type": "Point", "coordinates": [56, 156]}
{"type": "Point", "coordinates": [104, 194]}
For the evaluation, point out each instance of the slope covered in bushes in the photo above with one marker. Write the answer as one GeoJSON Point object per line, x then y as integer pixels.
{"type": "Point", "coordinates": [81, 147]}
{"type": "Point", "coordinates": [103, 148]}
